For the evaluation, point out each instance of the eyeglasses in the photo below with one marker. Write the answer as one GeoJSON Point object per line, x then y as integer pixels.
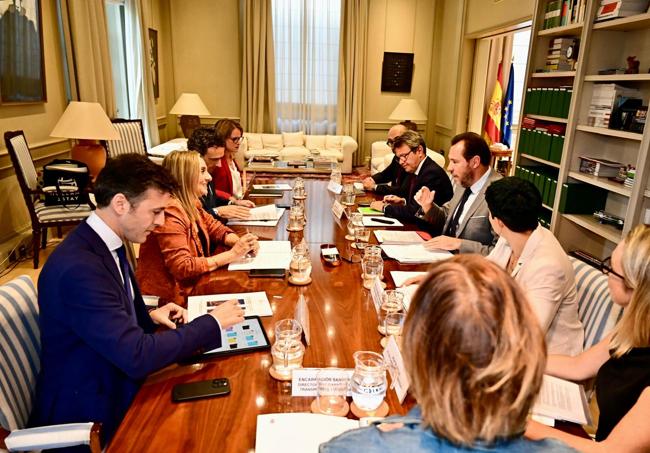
{"type": "Point", "coordinates": [606, 268]}
{"type": "Point", "coordinates": [236, 139]}
{"type": "Point", "coordinates": [390, 142]}
{"type": "Point", "coordinates": [403, 157]}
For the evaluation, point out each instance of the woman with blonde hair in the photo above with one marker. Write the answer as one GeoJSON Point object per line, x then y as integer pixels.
{"type": "Point", "coordinates": [621, 361]}
{"type": "Point", "coordinates": [191, 243]}
{"type": "Point", "coordinates": [475, 354]}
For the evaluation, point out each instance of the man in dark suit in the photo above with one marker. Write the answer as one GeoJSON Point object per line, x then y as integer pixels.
{"type": "Point", "coordinates": [422, 171]}
{"type": "Point", "coordinates": [98, 341]}
{"type": "Point", "coordinates": [464, 221]}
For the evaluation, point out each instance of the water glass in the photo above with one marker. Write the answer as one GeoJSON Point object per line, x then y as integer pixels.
{"type": "Point", "coordinates": [288, 350]}
{"type": "Point", "coordinates": [368, 384]}
{"type": "Point", "coordinates": [348, 197]}
{"type": "Point", "coordinates": [371, 269]}
{"type": "Point", "coordinates": [300, 265]}
{"type": "Point", "coordinates": [392, 302]}
{"type": "Point", "coordinates": [332, 392]}
{"type": "Point", "coordinates": [361, 236]}
{"type": "Point", "coordinates": [336, 176]}
{"type": "Point", "coordinates": [296, 219]}
{"type": "Point", "coordinates": [355, 219]}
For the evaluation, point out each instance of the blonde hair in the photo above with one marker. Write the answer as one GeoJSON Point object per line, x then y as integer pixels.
{"type": "Point", "coordinates": [184, 167]}
{"type": "Point", "coordinates": [474, 350]}
{"type": "Point", "coordinates": [633, 330]}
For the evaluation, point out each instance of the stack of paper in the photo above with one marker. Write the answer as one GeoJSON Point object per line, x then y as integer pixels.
{"type": "Point", "coordinates": [562, 400]}
{"type": "Point", "coordinates": [398, 237]}
{"type": "Point", "coordinates": [267, 215]}
{"type": "Point", "coordinates": [271, 255]}
{"type": "Point", "coordinates": [254, 304]}
{"type": "Point", "coordinates": [414, 254]}
{"type": "Point", "coordinates": [271, 187]}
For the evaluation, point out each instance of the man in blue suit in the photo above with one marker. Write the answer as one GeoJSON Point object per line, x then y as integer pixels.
{"type": "Point", "coordinates": [98, 341]}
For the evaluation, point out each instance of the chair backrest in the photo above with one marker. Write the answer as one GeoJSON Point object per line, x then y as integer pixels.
{"type": "Point", "coordinates": [20, 346]}
{"type": "Point", "coordinates": [597, 312]}
{"type": "Point", "coordinates": [131, 138]}
{"type": "Point", "coordinates": [21, 158]}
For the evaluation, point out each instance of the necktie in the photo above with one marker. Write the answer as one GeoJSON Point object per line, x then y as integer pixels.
{"type": "Point", "coordinates": [126, 271]}
{"type": "Point", "coordinates": [411, 187]}
{"type": "Point", "coordinates": [453, 225]}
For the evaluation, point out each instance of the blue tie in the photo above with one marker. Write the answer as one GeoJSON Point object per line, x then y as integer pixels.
{"type": "Point", "coordinates": [126, 271]}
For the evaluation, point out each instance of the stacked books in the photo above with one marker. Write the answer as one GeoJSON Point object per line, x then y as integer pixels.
{"type": "Point", "coordinates": [599, 167]}
{"type": "Point", "coordinates": [322, 163]}
{"type": "Point", "coordinates": [611, 9]}
{"type": "Point", "coordinates": [562, 53]}
{"type": "Point", "coordinates": [604, 99]}
{"type": "Point", "coordinates": [629, 180]}
{"type": "Point", "coordinates": [563, 12]}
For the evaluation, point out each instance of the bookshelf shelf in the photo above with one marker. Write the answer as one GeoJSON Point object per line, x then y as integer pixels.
{"type": "Point", "coordinates": [625, 23]}
{"type": "Point", "coordinates": [601, 182]}
{"type": "Point", "coordinates": [547, 118]}
{"type": "Point", "coordinates": [587, 221]}
{"type": "Point", "coordinates": [565, 30]}
{"type": "Point", "coordinates": [540, 160]}
{"type": "Point", "coordinates": [546, 75]}
{"type": "Point", "coordinates": [610, 132]}
{"type": "Point", "coordinates": [618, 78]}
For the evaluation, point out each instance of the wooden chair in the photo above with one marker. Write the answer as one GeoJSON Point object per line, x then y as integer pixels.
{"type": "Point", "coordinates": [19, 366]}
{"type": "Point", "coordinates": [131, 138]}
{"type": "Point", "coordinates": [42, 216]}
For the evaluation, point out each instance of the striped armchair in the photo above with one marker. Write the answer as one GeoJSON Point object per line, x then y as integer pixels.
{"type": "Point", "coordinates": [131, 138]}
{"type": "Point", "coordinates": [19, 366]}
{"type": "Point", "coordinates": [597, 312]}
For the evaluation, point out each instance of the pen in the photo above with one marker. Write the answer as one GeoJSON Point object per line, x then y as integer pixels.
{"type": "Point", "coordinates": [387, 222]}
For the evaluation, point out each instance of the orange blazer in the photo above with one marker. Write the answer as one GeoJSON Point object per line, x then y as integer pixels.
{"type": "Point", "coordinates": [172, 259]}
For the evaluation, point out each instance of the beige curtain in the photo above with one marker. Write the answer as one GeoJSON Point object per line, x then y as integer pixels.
{"type": "Point", "coordinates": [90, 68]}
{"type": "Point", "coordinates": [352, 68]}
{"type": "Point", "coordinates": [258, 108]}
{"type": "Point", "coordinates": [500, 51]}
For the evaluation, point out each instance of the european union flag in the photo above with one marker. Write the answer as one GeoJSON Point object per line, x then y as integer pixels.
{"type": "Point", "coordinates": [506, 117]}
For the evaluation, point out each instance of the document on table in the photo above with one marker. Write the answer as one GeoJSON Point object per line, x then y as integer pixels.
{"type": "Point", "coordinates": [271, 187]}
{"type": "Point", "coordinates": [267, 215]}
{"type": "Point", "coordinates": [380, 222]}
{"type": "Point", "coordinates": [414, 254]}
{"type": "Point", "coordinates": [298, 432]}
{"type": "Point", "coordinates": [398, 237]}
{"type": "Point", "coordinates": [562, 400]}
{"type": "Point", "coordinates": [271, 255]}
{"type": "Point", "coordinates": [254, 304]}
{"type": "Point", "coordinates": [399, 277]}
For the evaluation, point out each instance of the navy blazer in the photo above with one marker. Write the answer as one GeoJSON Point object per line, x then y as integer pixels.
{"type": "Point", "coordinates": [96, 346]}
{"type": "Point", "coordinates": [393, 174]}
{"type": "Point", "coordinates": [432, 176]}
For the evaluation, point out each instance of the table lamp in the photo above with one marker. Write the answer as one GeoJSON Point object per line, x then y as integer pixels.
{"type": "Point", "coordinates": [189, 106]}
{"type": "Point", "coordinates": [408, 111]}
{"type": "Point", "coordinates": [86, 122]}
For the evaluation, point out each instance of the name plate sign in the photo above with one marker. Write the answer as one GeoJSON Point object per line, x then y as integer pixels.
{"type": "Point", "coordinates": [395, 364]}
{"type": "Point", "coordinates": [338, 209]}
{"type": "Point", "coordinates": [335, 187]}
{"type": "Point", "coordinates": [377, 293]}
{"type": "Point", "coordinates": [304, 381]}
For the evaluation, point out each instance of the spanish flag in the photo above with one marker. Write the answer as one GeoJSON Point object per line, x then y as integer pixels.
{"type": "Point", "coordinates": [491, 130]}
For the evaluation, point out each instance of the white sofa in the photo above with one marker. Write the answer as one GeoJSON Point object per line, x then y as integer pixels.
{"type": "Point", "coordinates": [381, 156]}
{"type": "Point", "coordinates": [298, 146]}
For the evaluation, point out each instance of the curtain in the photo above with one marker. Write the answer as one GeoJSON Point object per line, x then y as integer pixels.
{"type": "Point", "coordinates": [500, 50]}
{"type": "Point", "coordinates": [90, 72]}
{"type": "Point", "coordinates": [352, 66]}
{"type": "Point", "coordinates": [258, 113]}
{"type": "Point", "coordinates": [306, 44]}
{"type": "Point", "coordinates": [140, 74]}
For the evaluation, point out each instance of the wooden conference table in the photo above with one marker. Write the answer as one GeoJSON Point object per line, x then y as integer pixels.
{"type": "Point", "coordinates": [342, 319]}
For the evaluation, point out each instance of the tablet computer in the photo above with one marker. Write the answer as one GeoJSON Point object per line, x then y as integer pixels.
{"type": "Point", "coordinates": [247, 336]}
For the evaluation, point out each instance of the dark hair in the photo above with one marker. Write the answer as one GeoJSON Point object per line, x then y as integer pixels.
{"type": "Point", "coordinates": [409, 125]}
{"type": "Point", "coordinates": [224, 128]}
{"type": "Point", "coordinates": [474, 146]}
{"type": "Point", "coordinates": [131, 175]}
{"type": "Point", "coordinates": [517, 203]}
{"type": "Point", "coordinates": [203, 138]}
{"type": "Point", "coordinates": [411, 139]}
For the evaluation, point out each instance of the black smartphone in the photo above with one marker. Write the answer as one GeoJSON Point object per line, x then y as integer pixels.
{"type": "Point", "coordinates": [273, 273]}
{"type": "Point", "coordinates": [283, 205]}
{"type": "Point", "coordinates": [201, 389]}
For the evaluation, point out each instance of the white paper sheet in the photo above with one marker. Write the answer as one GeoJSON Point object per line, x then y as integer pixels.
{"type": "Point", "coordinates": [271, 255]}
{"type": "Point", "coordinates": [256, 304]}
{"type": "Point", "coordinates": [271, 187]}
{"type": "Point", "coordinates": [414, 254]}
{"type": "Point", "coordinates": [398, 237]}
{"type": "Point", "coordinates": [562, 400]}
{"type": "Point", "coordinates": [267, 215]}
{"type": "Point", "coordinates": [399, 277]}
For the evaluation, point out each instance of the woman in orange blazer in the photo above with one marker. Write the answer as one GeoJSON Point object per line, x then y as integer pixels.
{"type": "Point", "coordinates": [176, 254]}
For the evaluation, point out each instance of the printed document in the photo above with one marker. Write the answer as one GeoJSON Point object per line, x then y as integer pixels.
{"type": "Point", "coordinates": [254, 304]}
{"type": "Point", "coordinates": [271, 255]}
{"type": "Point", "coordinates": [398, 237]}
{"type": "Point", "coordinates": [414, 254]}
{"type": "Point", "coordinates": [562, 400]}
{"type": "Point", "coordinates": [267, 215]}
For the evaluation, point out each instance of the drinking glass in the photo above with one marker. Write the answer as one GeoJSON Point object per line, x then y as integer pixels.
{"type": "Point", "coordinates": [372, 250]}
{"type": "Point", "coordinates": [361, 236]}
{"type": "Point", "coordinates": [348, 197]}
{"type": "Point", "coordinates": [392, 302]}
{"type": "Point", "coordinates": [336, 176]}
{"type": "Point", "coordinates": [394, 326]}
{"type": "Point", "coordinates": [355, 219]}
{"type": "Point", "coordinates": [368, 384]}
{"type": "Point", "coordinates": [332, 392]}
{"type": "Point", "coordinates": [300, 265]}
{"type": "Point", "coordinates": [288, 350]}
{"type": "Point", "coordinates": [371, 268]}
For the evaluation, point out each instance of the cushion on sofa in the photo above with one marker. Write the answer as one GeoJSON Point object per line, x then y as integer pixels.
{"type": "Point", "coordinates": [293, 138]}
{"type": "Point", "coordinates": [294, 152]}
{"type": "Point", "coordinates": [335, 153]}
{"type": "Point", "coordinates": [254, 141]}
{"type": "Point", "coordinates": [272, 141]}
{"type": "Point", "coordinates": [333, 142]}
{"type": "Point", "coordinates": [315, 142]}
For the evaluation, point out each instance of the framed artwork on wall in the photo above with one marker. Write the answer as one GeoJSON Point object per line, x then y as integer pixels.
{"type": "Point", "coordinates": [153, 61]}
{"type": "Point", "coordinates": [22, 66]}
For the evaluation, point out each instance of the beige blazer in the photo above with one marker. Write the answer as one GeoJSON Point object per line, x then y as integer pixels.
{"type": "Point", "coordinates": [547, 277]}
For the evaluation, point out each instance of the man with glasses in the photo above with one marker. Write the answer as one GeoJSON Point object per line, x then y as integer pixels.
{"type": "Point", "coordinates": [422, 171]}
{"type": "Point", "coordinates": [389, 180]}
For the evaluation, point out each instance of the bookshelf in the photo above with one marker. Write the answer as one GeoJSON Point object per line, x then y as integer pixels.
{"type": "Point", "coordinates": [602, 45]}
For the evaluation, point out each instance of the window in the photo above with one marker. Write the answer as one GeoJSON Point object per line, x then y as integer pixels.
{"type": "Point", "coordinates": [520, 43]}
{"type": "Point", "coordinates": [306, 46]}
{"type": "Point", "coordinates": [117, 46]}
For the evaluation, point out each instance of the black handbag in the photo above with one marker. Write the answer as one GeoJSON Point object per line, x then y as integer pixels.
{"type": "Point", "coordinates": [65, 182]}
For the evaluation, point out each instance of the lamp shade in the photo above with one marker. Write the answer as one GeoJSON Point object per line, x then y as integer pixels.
{"type": "Point", "coordinates": [85, 120]}
{"type": "Point", "coordinates": [408, 109]}
{"type": "Point", "coordinates": [189, 104]}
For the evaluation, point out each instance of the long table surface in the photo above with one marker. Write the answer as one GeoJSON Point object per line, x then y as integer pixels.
{"type": "Point", "coordinates": [342, 320]}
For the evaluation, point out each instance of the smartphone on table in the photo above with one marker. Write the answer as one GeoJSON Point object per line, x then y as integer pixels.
{"type": "Point", "coordinates": [202, 389]}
